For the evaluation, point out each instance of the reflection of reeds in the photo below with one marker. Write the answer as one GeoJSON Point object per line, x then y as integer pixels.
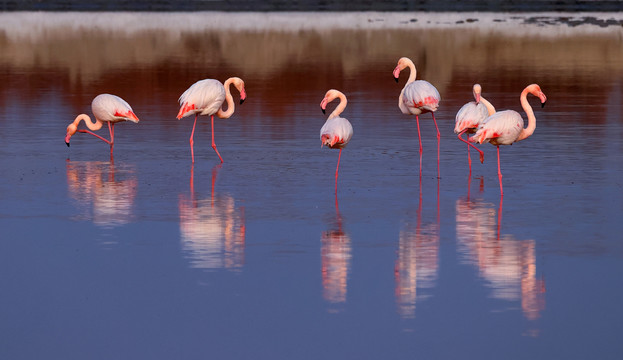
{"type": "Point", "coordinates": [507, 265]}
{"type": "Point", "coordinates": [95, 184]}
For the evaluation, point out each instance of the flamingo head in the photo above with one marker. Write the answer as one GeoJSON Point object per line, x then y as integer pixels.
{"type": "Point", "coordinates": [535, 90]}
{"type": "Point", "coordinates": [402, 63]}
{"type": "Point", "coordinates": [239, 84]}
{"type": "Point", "coordinates": [328, 97]}
{"type": "Point", "coordinates": [71, 129]}
{"type": "Point", "coordinates": [476, 91]}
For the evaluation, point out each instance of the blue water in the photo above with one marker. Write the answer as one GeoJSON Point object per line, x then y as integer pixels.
{"type": "Point", "coordinates": [148, 256]}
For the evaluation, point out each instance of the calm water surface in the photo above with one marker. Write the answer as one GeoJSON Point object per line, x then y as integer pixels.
{"type": "Point", "coordinates": [148, 256]}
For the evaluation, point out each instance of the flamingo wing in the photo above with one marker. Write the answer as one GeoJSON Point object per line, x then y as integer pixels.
{"type": "Point", "coordinates": [471, 115]}
{"type": "Point", "coordinates": [107, 107]}
{"type": "Point", "coordinates": [421, 95]}
{"type": "Point", "coordinates": [336, 132]}
{"type": "Point", "coordinates": [501, 128]}
{"type": "Point", "coordinates": [204, 97]}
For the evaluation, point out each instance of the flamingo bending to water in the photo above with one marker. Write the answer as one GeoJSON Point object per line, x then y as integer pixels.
{"type": "Point", "coordinates": [506, 127]}
{"type": "Point", "coordinates": [470, 116]}
{"type": "Point", "coordinates": [106, 108]}
{"type": "Point", "coordinates": [418, 97]}
{"type": "Point", "coordinates": [206, 97]}
{"type": "Point", "coordinates": [336, 131]}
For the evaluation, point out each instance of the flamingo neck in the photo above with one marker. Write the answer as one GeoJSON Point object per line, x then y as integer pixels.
{"type": "Point", "coordinates": [413, 71]}
{"type": "Point", "coordinates": [488, 105]}
{"type": "Point", "coordinates": [230, 101]}
{"type": "Point", "coordinates": [340, 107]}
{"type": "Point", "coordinates": [93, 126]}
{"type": "Point", "coordinates": [531, 118]}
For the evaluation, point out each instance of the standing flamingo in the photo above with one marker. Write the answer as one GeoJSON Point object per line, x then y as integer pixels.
{"type": "Point", "coordinates": [506, 127]}
{"type": "Point", "coordinates": [105, 107]}
{"type": "Point", "coordinates": [470, 116]}
{"type": "Point", "coordinates": [336, 131]}
{"type": "Point", "coordinates": [206, 97]}
{"type": "Point", "coordinates": [418, 97]}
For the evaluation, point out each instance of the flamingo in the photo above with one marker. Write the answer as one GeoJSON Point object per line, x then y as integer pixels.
{"type": "Point", "coordinates": [336, 131]}
{"type": "Point", "coordinates": [470, 116]}
{"type": "Point", "coordinates": [206, 97]}
{"type": "Point", "coordinates": [506, 127]}
{"type": "Point", "coordinates": [418, 97]}
{"type": "Point", "coordinates": [106, 108]}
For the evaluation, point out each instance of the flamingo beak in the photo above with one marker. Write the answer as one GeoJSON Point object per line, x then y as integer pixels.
{"type": "Point", "coordinates": [67, 137]}
{"type": "Point", "coordinates": [477, 98]}
{"type": "Point", "coordinates": [543, 99]}
{"type": "Point", "coordinates": [396, 73]}
{"type": "Point", "coordinates": [243, 96]}
{"type": "Point", "coordinates": [323, 105]}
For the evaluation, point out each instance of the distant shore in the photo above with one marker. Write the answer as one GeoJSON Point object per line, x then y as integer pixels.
{"type": "Point", "coordinates": [315, 5]}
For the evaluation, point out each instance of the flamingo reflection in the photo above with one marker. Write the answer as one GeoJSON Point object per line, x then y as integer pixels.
{"type": "Point", "coordinates": [102, 196]}
{"type": "Point", "coordinates": [507, 265]}
{"type": "Point", "coordinates": [212, 230]}
{"type": "Point", "coordinates": [417, 263]}
{"type": "Point", "coordinates": [335, 255]}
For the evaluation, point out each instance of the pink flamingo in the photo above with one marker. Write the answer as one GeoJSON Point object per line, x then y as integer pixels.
{"type": "Point", "coordinates": [506, 127]}
{"type": "Point", "coordinates": [418, 97]}
{"type": "Point", "coordinates": [470, 116]}
{"type": "Point", "coordinates": [336, 131]}
{"type": "Point", "coordinates": [206, 97]}
{"type": "Point", "coordinates": [106, 108]}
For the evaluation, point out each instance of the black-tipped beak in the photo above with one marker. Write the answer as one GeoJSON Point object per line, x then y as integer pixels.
{"type": "Point", "coordinates": [542, 105]}
{"type": "Point", "coordinates": [241, 101]}
{"type": "Point", "coordinates": [395, 78]}
{"type": "Point", "coordinates": [67, 143]}
{"type": "Point", "coordinates": [323, 111]}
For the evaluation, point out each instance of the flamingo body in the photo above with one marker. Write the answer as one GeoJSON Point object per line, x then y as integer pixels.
{"type": "Point", "coordinates": [336, 131]}
{"type": "Point", "coordinates": [112, 108]}
{"type": "Point", "coordinates": [501, 128]}
{"type": "Point", "coordinates": [419, 97]}
{"type": "Point", "coordinates": [506, 127]}
{"type": "Point", "coordinates": [469, 117]}
{"type": "Point", "coordinates": [106, 108]}
{"type": "Point", "coordinates": [205, 97]}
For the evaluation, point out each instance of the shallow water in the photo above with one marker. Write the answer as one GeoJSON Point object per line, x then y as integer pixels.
{"type": "Point", "coordinates": [148, 256]}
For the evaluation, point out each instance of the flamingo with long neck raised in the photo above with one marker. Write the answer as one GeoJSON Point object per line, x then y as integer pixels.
{"type": "Point", "coordinates": [336, 131]}
{"type": "Point", "coordinates": [470, 116]}
{"type": "Point", "coordinates": [506, 127]}
{"type": "Point", "coordinates": [418, 97]}
{"type": "Point", "coordinates": [206, 97]}
{"type": "Point", "coordinates": [106, 108]}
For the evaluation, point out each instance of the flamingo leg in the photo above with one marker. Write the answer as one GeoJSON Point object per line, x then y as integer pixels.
{"type": "Point", "coordinates": [192, 142]}
{"type": "Point", "coordinates": [500, 173]}
{"type": "Point", "coordinates": [438, 142]}
{"type": "Point", "coordinates": [337, 169]}
{"type": "Point", "coordinates": [94, 134]}
{"type": "Point", "coordinates": [419, 137]}
{"type": "Point", "coordinates": [111, 130]}
{"type": "Point", "coordinates": [482, 155]}
{"type": "Point", "coordinates": [213, 143]}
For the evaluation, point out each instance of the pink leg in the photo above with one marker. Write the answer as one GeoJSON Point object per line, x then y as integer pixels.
{"type": "Point", "coordinates": [500, 173]}
{"type": "Point", "coordinates": [438, 142]}
{"type": "Point", "coordinates": [94, 134]}
{"type": "Point", "coordinates": [213, 143]}
{"type": "Point", "coordinates": [482, 155]}
{"type": "Point", "coordinates": [419, 137]}
{"type": "Point", "coordinates": [111, 130]}
{"type": "Point", "coordinates": [337, 169]}
{"type": "Point", "coordinates": [192, 142]}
